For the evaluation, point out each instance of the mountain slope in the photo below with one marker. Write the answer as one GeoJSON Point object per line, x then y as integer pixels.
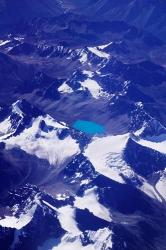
{"type": "Point", "coordinates": [82, 125]}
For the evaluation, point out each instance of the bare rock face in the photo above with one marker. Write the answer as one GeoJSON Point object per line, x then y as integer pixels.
{"type": "Point", "coordinates": [140, 13]}
{"type": "Point", "coordinates": [82, 125]}
{"type": "Point", "coordinates": [13, 11]}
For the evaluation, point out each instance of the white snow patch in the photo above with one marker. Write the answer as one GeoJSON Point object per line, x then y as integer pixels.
{"type": "Point", "coordinates": [65, 88]}
{"type": "Point", "coordinates": [45, 145]}
{"type": "Point", "coordinates": [83, 57]}
{"type": "Point", "coordinates": [98, 52]}
{"type": "Point", "coordinates": [90, 201]}
{"type": "Point", "coordinates": [93, 87]}
{"type": "Point", "coordinates": [139, 104]}
{"type": "Point", "coordinates": [18, 222]}
{"type": "Point", "coordinates": [61, 197]}
{"type": "Point", "coordinates": [66, 216]}
{"type": "Point", "coordinates": [16, 109]}
{"type": "Point", "coordinates": [102, 239]}
{"type": "Point", "coordinates": [150, 191]}
{"type": "Point", "coordinates": [140, 131]}
{"type": "Point", "coordinates": [51, 122]}
{"type": "Point", "coordinates": [104, 46]}
{"type": "Point", "coordinates": [106, 156]}
{"type": "Point", "coordinates": [158, 146]}
{"type": "Point", "coordinates": [88, 73]}
{"type": "Point", "coordinates": [2, 42]}
{"type": "Point", "coordinates": [5, 126]}
{"type": "Point", "coordinates": [19, 39]}
{"type": "Point", "coordinates": [85, 182]}
{"type": "Point", "coordinates": [72, 243]}
{"type": "Point", "coordinates": [161, 186]}
{"type": "Point", "coordinates": [50, 206]}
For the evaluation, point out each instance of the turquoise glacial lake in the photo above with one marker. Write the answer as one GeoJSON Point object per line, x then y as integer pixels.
{"type": "Point", "coordinates": [89, 127]}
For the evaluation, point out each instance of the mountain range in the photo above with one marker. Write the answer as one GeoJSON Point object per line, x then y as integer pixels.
{"type": "Point", "coordinates": [82, 125]}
